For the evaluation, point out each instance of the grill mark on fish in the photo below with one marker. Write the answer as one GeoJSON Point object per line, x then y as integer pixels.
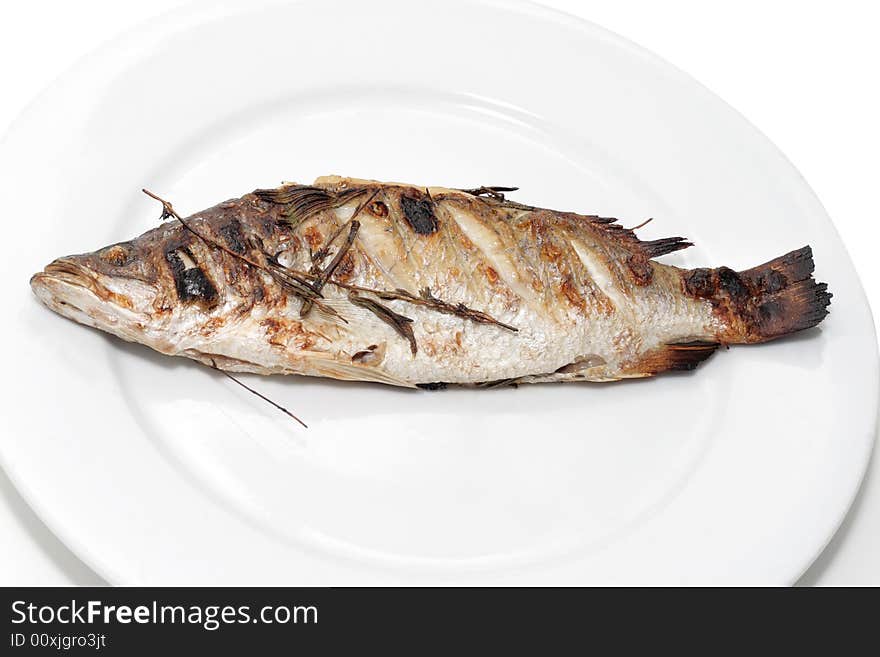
{"type": "Point", "coordinates": [461, 249]}
{"type": "Point", "coordinates": [533, 267]}
{"type": "Point", "coordinates": [545, 254]}
{"type": "Point", "coordinates": [233, 237]}
{"type": "Point", "coordinates": [600, 276]}
{"type": "Point", "coordinates": [191, 283]}
{"type": "Point", "coordinates": [641, 269]}
{"type": "Point", "coordinates": [516, 251]}
{"type": "Point", "coordinates": [487, 241]}
{"type": "Point", "coordinates": [419, 213]}
{"type": "Point", "coordinates": [376, 240]}
{"type": "Point", "coordinates": [591, 296]}
{"type": "Point", "coordinates": [405, 243]}
{"type": "Point", "coordinates": [558, 258]}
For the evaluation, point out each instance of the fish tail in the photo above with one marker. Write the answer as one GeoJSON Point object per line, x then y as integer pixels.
{"type": "Point", "coordinates": [765, 302]}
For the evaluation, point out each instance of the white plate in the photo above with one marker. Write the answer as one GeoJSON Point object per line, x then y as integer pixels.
{"type": "Point", "coordinates": [158, 471]}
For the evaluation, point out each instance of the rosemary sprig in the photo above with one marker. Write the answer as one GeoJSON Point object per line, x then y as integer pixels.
{"type": "Point", "coordinates": [286, 277]}
{"type": "Point", "coordinates": [261, 396]}
{"type": "Point", "coordinates": [400, 323]}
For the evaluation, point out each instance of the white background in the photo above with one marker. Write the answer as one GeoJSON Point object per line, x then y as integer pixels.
{"type": "Point", "coordinates": [805, 73]}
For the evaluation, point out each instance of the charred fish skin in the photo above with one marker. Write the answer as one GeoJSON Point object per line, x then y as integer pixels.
{"type": "Point", "coordinates": [405, 285]}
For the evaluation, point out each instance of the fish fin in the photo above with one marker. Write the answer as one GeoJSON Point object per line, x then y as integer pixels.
{"type": "Point", "coordinates": [678, 356]}
{"type": "Point", "coordinates": [649, 249]}
{"type": "Point", "coordinates": [303, 201]}
{"type": "Point", "coordinates": [788, 298]}
{"type": "Point", "coordinates": [765, 302]}
{"type": "Point", "coordinates": [641, 250]}
{"type": "Point", "coordinates": [339, 369]}
{"type": "Point", "coordinates": [657, 248]}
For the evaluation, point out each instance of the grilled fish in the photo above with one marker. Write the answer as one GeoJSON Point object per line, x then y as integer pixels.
{"type": "Point", "coordinates": [411, 286]}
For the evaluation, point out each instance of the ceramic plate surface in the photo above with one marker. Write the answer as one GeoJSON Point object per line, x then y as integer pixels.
{"type": "Point", "coordinates": [159, 471]}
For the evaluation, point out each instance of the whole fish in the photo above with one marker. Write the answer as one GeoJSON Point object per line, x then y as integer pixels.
{"type": "Point", "coordinates": [412, 286]}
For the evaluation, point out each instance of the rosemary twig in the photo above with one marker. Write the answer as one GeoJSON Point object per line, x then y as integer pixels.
{"type": "Point", "coordinates": [427, 300]}
{"type": "Point", "coordinates": [400, 323]}
{"type": "Point", "coordinates": [495, 192]}
{"type": "Point", "coordinates": [251, 390]}
{"type": "Point", "coordinates": [325, 274]}
{"type": "Point", "coordinates": [319, 255]}
{"type": "Point", "coordinates": [286, 277]}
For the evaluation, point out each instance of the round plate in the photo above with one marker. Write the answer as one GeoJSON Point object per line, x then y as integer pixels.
{"type": "Point", "coordinates": [159, 471]}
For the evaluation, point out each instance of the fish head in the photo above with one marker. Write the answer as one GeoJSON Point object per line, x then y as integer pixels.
{"type": "Point", "coordinates": [116, 289]}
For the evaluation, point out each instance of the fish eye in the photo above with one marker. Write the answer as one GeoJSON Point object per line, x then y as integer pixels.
{"type": "Point", "coordinates": [116, 255]}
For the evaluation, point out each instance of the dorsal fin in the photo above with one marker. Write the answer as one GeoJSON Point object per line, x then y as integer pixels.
{"type": "Point", "coordinates": [657, 248]}
{"type": "Point", "coordinates": [303, 201]}
{"type": "Point", "coordinates": [648, 248]}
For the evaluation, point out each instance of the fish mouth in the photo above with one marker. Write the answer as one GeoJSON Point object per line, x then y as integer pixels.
{"type": "Point", "coordinates": [64, 270]}
{"type": "Point", "coordinates": [73, 290]}
{"type": "Point", "coordinates": [63, 274]}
